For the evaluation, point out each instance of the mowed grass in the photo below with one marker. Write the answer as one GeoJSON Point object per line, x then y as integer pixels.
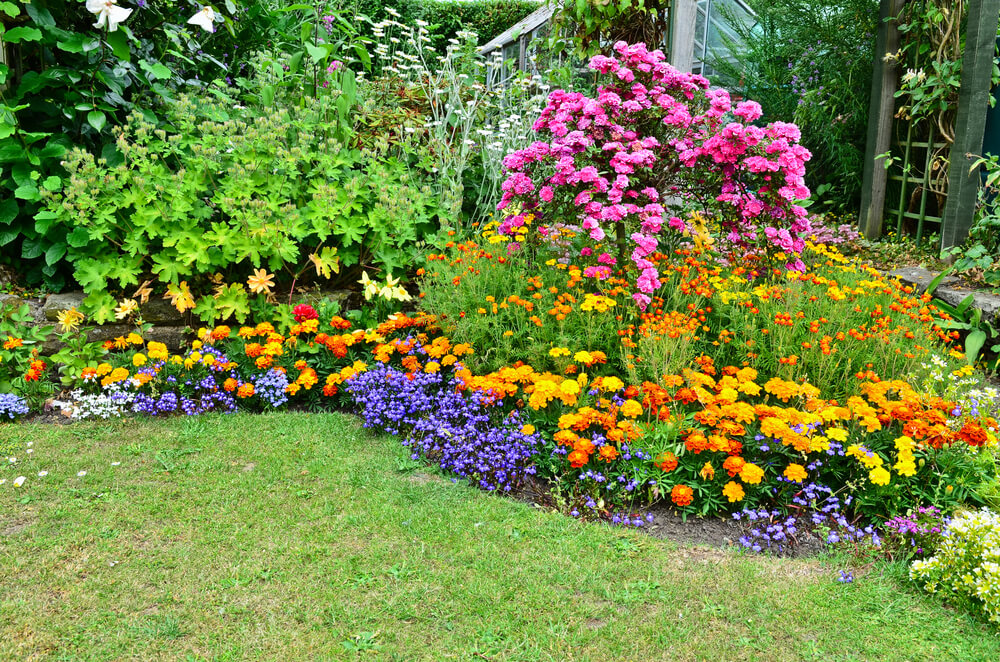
{"type": "Point", "coordinates": [303, 537]}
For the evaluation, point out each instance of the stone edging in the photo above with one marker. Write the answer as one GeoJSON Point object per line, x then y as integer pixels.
{"type": "Point", "coordinates": [920, 278]}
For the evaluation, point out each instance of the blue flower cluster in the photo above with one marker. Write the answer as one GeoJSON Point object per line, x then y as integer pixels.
{"type": "Point", "coordinates": [12, 406]}
{"type": "Point", "coordinates": [439, 422]}
{"type": "Point", "coordinates": [270, 388]}
{"type": "Point", "coordinates": [819, 509]}
{"type": "Point", "coordinates": [767, 530]}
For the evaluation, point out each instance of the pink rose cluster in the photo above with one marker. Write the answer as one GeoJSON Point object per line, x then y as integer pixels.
{"type": "Point", "coordinates": [653, 142]}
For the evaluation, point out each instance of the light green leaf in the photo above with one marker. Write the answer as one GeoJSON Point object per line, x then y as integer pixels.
{"type": "Point", "coordinates": [79, 237]}
{"type": "Point", "coordinates": [55, 253]}
{"type": "Point", "coordinates": [317, 53]}
{"type": "Point", "coordinates": [973, 344]}
{"type": "Point", "coordinates": [91, 273]}
{"type": "Point", "coordinates": [118, 41]}
{"type": "Point", "coordinates": [27, 192]}
{"type": "Point", "coordinates": [205, 310]}
{"type": "Point", "coordinates": [155, 69]}
{"type": "Point", "coordinates": [232, 300]}
{"type": "Point", "coordinates": [267, 95]}
{"type": "Point", "coordinates": [17, 35]}
{"type": "Point", "coordinates": [97, 119]}
{"type": "Point", "coordinates": [8, 211]}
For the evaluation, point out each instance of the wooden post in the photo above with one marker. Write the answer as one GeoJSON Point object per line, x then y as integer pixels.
{"type": "Point", "coordinates": [880, 113]}
{"type": "Point", "coordinates": [973, 101]}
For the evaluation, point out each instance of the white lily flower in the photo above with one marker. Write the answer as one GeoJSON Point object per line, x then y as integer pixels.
{"type": "Point", "coordinates": [370, 286]}
{"type": "Point", "coordinates": [108, 14]}
{"type": "Point", "coordinates": [204, 19]}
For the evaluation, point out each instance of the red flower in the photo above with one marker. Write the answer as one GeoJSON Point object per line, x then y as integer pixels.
{"type": "Point", "coordinates": [303, 312]}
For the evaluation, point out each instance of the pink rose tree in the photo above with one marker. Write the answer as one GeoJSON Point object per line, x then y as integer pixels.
{"type": "Point", "coordinates": [655, 144]}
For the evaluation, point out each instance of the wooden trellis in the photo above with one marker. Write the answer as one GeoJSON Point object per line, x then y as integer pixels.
{"type": "Point", "coordinates": [934, 173]}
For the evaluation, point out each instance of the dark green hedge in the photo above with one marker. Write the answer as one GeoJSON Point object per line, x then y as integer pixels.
{"type": "Point", "coordinates": [487, 18]}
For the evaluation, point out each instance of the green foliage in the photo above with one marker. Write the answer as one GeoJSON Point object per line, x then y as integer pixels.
{"type": "Point", "coordinates": [977, 260]}
{"type": "Point", "coordinates": [966, 567]}
{"type": "Point", "coordinates": [810, 63]}
{"type": "Point", "coordinates": [487, 18]}
{"type": "Point", "coordinates": [587, 26]}
{"type": "Point", "coordinates": [302, 58]}
{"type": "Point", "coordinates": [71, 83]}
{"type": "Point", "coordinates": [227, 189]}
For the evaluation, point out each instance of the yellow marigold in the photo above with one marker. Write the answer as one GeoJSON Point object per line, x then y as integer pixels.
{"type": "Point", "coordinates": [631, 409]}
{"type": "Point", "coordinates": [432, 367]}
{"type": "Point", "coordinates": [781, 389]}
{"type": "Point", "coordinates": [583, 357]}
{"type": "Point", "coordinates": [879, 476]}
{"type": "Point", "coordinates": [733, 491]}
{"type": "Point", "coordinates": [866, 457]}
{"type": "Point", "coordinates": [837, 434]}
{"type": "Point", "coordinates": [905, 467]}
{"type": "Point", "coordinates": [103, 369]}
{"type": "Point", "coordinates": [569, 387]}
{"type": "Point", "coordinates": [728, 395]}
{"type": "Point", "coordinates": [751, 474]}
{"type": "Point", "coordinates": [245, 391]}
{"type": "Point", "coordinates": [528, 429]}
{"type": "Point", "coordinates": [707, 471]}
{"type": "Point", "coordinates": [157, 351]}
{"type": "Point", "coordinates": [134, 339]}
{"type": "Point", "coordinates": [556, 352]}
{"type": "Point", "coordinates": [795, 473]}
{"type": "Point", "coordinates": [139, 359]}
{"type": "Point", "coordinates": [611, 384]}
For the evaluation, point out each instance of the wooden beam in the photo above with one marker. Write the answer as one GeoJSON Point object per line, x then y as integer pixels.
{"type": "Point", "coordinates": [881, 108]}
{"type": "Point", "coordinates": [973, 101]}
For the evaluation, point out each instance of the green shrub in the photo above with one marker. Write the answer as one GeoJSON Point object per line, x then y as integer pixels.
{"type": "Point", "coordinates": [487, 18]}
{"type": "Point", "coordinates": [68, 83]}
{"type": "Point", "coordinates": [227, 190]}
{"type": "Point", "coordinates": [967, 563]}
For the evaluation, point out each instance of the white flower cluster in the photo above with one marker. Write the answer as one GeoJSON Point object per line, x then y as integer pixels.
{"type": "Point", "coordinates": [967, 562]}
{"type": "Point", "coordinates": [112, 403]}
{"type": "Point", "coordinates": [466, 116]}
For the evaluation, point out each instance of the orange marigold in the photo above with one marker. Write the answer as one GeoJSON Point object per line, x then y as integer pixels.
{"type": "Point", "coordinates": [666, 461]}
{"type": "Point", "coordinates": [577, 459]}
{"type": "Point", "coordinates": [733, 465]}
{"type": "Point", "coordinates": [682, 495]}
{"type": "Point", "coordinates": [733, 491]}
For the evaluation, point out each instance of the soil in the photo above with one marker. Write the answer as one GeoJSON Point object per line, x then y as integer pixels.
{"type": "Point", "coordinates": [667, 524]}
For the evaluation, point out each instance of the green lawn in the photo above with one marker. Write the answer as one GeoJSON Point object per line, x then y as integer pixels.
{"type": "Point", "coordinates": [302, 537]}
